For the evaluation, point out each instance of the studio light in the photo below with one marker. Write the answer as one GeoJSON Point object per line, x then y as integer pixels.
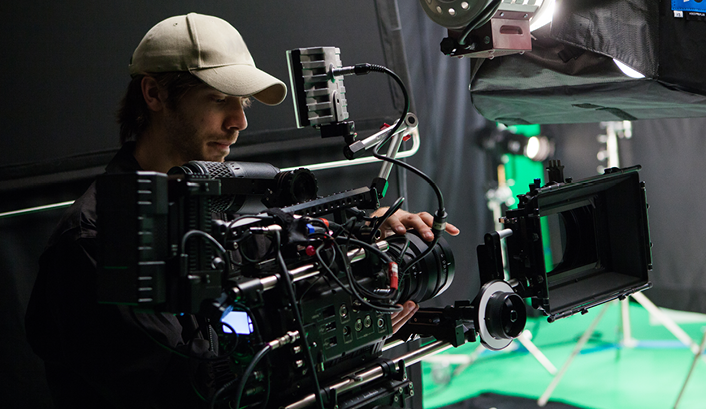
{"type": "Point", "coordinates": [502, 141]}
{"type": "Point", "coordinates": [543, 16]}
{"type": "Point", "coordinates": [488, 28]}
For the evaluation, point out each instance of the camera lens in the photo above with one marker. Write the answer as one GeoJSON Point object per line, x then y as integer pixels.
{"type": "Point", "coordinates": [429, 277]}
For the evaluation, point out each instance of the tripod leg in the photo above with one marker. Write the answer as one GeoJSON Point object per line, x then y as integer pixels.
{"type": "Point", "coordinates": [525, 339]}
{"type": "Point", "coordinates": [628, 340]}
{"type": "Point", "coordinates": [582, 341]}
{"type": "Point", "coordinates": [666, 321]}
{"type": "Point", "coordinates": [470, 360]}
{"type": "Point", "coordinates": [693, 365]}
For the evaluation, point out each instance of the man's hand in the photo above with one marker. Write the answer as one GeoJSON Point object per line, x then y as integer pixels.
{"type": "Point", "coordinates": [398, 223]}
{"type": "Point", "coordinates": [400, 318]}
{"type": "Point", "coordinates": [401, 221]}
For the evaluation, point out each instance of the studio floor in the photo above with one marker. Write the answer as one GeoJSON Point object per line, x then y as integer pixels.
{"type": "Point", "coordinates": [605, 375]}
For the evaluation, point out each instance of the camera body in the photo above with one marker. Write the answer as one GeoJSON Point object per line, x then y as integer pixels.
{"type": "Point", "coordinates": [171, 243]}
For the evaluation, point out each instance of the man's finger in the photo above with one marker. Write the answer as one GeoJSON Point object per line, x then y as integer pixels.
{"type": "Point", "coordinates": [452, 230]}
{"type": "Point", "coordinates": [420, 222]}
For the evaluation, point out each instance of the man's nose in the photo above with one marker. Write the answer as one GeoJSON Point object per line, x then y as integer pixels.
{"type": "Point", "coordinates": [236, 119]}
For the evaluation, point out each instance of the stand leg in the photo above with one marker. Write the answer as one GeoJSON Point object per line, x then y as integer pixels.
{"type": "Point", "coordinates": [525, 339]}
{"type": "Point", "coordinates": [693, 365]}
{"type": "Point", "coordinates": [628, 340]}
{"type": "Point", "coordinates": [666, 321]}
{"type": "Point", "coordinates": [470, 360]}
{"type": "Point", "coordinates": [584, 338]}
{"type": "Point", "coordinates": [464, 361]}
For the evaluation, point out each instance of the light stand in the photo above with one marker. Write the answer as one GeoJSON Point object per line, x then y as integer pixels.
{"type": "Point", "coordinates": [691, 370]}
{"type": "Point", "coordinates": [628, 341]}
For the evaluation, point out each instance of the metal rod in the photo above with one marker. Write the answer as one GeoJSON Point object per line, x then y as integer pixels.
{"type": "Point", "coordinates": [391, 153]}
{"type": "Point", "coordinates": [36, 209]}
{"type": "Point", "coordinates": [365, 376]}
{"type": "Point", "coordinates": [392, 344]}
{"type": "Point", "coordinates": [361, 161]}
{"type": "Point", "coordinates": [309, 270]}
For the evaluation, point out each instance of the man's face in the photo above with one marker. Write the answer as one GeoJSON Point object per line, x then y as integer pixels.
{"type": "Point", "coordinates": [204, 124]}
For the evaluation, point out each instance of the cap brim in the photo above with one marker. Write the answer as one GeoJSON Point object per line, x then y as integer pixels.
{"type": "Point", "coordinates": [244, 81]}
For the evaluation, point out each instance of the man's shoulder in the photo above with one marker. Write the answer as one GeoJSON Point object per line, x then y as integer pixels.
{"type": "Point", "coordinates": [79, 220]}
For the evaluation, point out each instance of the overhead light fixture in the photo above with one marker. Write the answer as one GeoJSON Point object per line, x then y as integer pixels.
{"type": "Point", "coordinates": [487, 28]}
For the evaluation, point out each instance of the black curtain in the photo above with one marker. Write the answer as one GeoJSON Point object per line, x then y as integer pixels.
{"type": "Point", "coordinates": [448, 124]}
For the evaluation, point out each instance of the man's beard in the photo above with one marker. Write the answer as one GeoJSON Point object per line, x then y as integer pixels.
{"type": "Point", "coordinates": [183, 137]}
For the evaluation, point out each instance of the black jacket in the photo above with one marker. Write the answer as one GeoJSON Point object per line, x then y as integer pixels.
{"type": "Point", "coordinates": [98, 355]}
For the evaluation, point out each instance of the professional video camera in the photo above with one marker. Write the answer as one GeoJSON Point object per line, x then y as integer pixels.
{"type": "Point", "coordinates": [287, 271]}
{"type": "Point", "coordinates": [290, 272]}
{"type": "Point", "coordinates": [300, 288]}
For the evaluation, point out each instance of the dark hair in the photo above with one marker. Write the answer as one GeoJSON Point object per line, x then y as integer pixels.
{"type": "Point", "coordinates": [133, 114]}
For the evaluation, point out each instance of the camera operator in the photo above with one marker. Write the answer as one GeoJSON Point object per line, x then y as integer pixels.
{"type": "Point", "coordinates": [192, 77]}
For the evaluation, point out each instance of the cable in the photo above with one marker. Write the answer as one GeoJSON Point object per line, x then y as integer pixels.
{"type": "Point", "coordinates": [353, 291]}
{"type": "Point", "coordinates": [487, 13]}
{"type": "Point", "coordinates": [256, 358]}
{"type": "Point", "coordinates": [392, 209]}
{"type": "Point", "coordinates": [350, 289]}
{"type": "Point", "coordinates": [404, 249]}
{"type": "Point", "coordinates": [243, 379]}
{"type": "Point", "coordinates": [360, 69]}
{"type": "Point", "coordinates": [439, 224]}
{"type": "Point", "coordinates": [221, 250]}
{"type": "Point", "coordinates": [405, 165]}
{"type": "Point", "coordinates": [423, 254]}
{"type": "Point", "coordinates": [386, 258]}
{"type": "Point", "coordinates": [289, 287]}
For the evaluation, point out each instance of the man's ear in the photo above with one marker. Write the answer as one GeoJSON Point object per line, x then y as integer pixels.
{"type": "Point", "coordinates": [154, 97]}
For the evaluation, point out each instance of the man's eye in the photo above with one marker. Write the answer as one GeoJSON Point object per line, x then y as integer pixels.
{"type": "Point", "coordinates": [220, 100]}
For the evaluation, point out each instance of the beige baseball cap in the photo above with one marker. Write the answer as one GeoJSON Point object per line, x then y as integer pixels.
{"type": "Point", "coordinates": [212, 50]}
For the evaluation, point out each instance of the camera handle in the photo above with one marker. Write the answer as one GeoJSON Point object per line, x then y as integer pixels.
{"type": "Point", "coordinates": [401, 134]}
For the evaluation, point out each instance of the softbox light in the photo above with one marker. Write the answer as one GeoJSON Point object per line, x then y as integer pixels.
{"type": "Point", "coordinates": [570, 76]}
